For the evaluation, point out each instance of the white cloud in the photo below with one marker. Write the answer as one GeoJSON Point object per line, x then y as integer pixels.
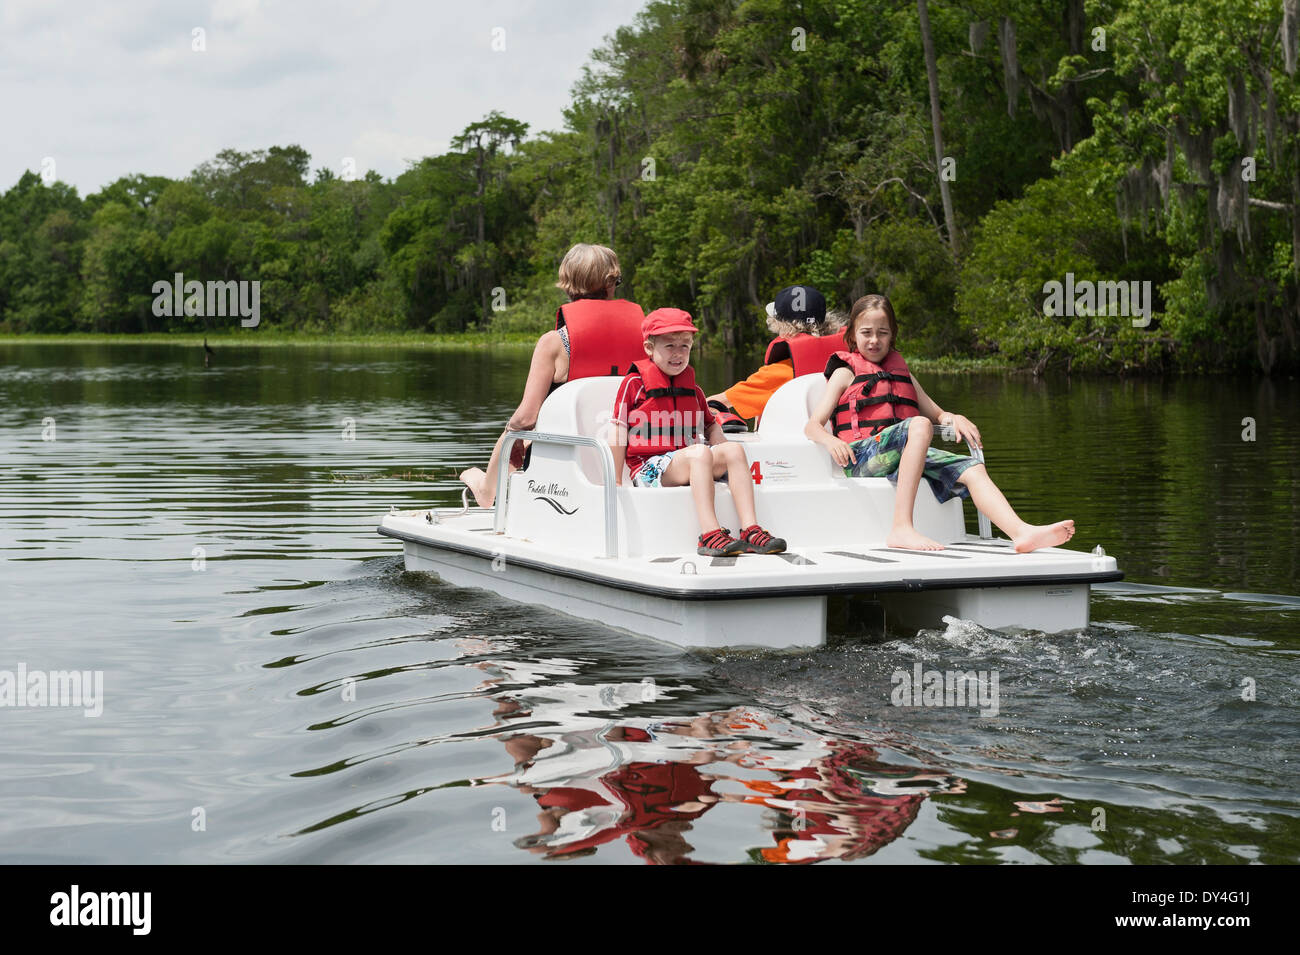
{"type": "Point", "coordinates": [115, 89]}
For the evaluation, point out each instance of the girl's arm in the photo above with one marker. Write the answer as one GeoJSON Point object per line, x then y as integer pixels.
{"type": "Point", "coordinates": [815, 429]}
{"type": "Point", "coordinates": [715, 435]}
{"type": "Point", "coordinates": [963, 426]}
{"type": "Point", "coordinates": [541, 375]}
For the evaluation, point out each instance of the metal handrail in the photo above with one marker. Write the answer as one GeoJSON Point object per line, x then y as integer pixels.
{"type": "Point", "coordinates": [986, 526]}
{"type": "Point", "coordinates": [949, 434]}
{"type": "Point", "coordinates": [569, 441]}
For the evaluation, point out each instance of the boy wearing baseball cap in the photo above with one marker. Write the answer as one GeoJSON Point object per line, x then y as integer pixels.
{"type": "Point", "coordinates": [806, 339]}
{"type": "Point", "coordinates": [661, 419]}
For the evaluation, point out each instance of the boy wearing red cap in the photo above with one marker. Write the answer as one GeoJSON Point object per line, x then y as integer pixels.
{"type": "Point", "coordinates": [660, 420]}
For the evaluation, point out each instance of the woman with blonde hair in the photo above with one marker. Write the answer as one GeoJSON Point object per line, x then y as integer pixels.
{"type": "Point", "coordinates": [595, 334]}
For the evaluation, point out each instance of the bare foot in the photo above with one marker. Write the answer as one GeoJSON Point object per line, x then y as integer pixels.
{"type": "Point", "coordinates": [477, 481]}
{"type": "Point", "coordinates": [911, 539]}
{"type": "Point", "coordinates": [1046, 535]}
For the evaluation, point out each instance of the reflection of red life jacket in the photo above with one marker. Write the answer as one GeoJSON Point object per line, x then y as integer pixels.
{"type": "Point", "coordinates": [604, 335]}
{"type": "Point", "coordinates": [879, 396]}
{"type": "Point", "coordinates": [808, 353]}
{"type": "Point", "coordinates": [670, 418]}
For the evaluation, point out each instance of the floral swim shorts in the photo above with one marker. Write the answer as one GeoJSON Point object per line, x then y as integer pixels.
{"type": "Point", "coordinates": [879, 456]}
{"type": "Point", "coordinates": [650, 473]}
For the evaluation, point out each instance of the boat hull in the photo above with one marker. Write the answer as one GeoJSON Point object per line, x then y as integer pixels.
{"type": "Point", "coordinates": [776, 602]}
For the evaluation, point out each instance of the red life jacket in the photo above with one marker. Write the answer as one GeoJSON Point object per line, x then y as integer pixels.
{"type": "Point", "coordinates": [604, 335]}
{"type": "Point", "coordinates": [808, 353]}
{"type": "Point", "coordinates": [670, 417]}
{"type": "Point", "coordinates": [879, 396]}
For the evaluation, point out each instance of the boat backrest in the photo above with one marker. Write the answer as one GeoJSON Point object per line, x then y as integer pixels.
{"type": "Point", "coordinates": [790, 408]}
{"type": "Point", "coordinates": [582, 407]}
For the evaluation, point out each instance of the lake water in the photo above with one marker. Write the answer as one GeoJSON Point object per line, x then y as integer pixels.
{"type": "Point", "coordinates": [277, 689]}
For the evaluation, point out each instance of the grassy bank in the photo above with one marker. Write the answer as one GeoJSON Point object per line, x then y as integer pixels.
{"type": "Point", "coordinates": [948, 364]}
{"type": "Point", "coordinates": [260, 339]}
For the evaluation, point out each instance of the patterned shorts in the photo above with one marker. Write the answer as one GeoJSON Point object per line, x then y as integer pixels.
{"type": "Point", "coordinates": [879, 456]}
{"type": "Point", "coordinates": [650, 473]}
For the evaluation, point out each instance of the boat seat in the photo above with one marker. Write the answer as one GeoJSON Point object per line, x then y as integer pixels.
{"type": "Point", "coordinates": [789, 409]}
{"type": "Point", "coordinates": [662, 520]}
{"type": "Point", "coordinates": [582, 407]}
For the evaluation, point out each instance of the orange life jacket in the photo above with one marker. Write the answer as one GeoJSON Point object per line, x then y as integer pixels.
{"type": "Point", "coordinates": [879, 396]}
{"type": "Point", "coordinates": [808, 353]}
{"type": "Point", "coordinates": [604, 335]}
{"type": "Point", "coordinates": [670, 417]}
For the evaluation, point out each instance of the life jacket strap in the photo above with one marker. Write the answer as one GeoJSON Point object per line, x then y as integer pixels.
{"type": "Point", "coordinates": [672, 392]}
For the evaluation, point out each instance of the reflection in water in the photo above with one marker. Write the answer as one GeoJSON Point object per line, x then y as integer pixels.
{"type": "Point", "coordinates": [600, 778]}
{"type": "Point", "coordinates": [206, 538]}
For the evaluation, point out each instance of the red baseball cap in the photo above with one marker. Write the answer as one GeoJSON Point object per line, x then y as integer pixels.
{"type": "Point", "coordinates": [664, 320]}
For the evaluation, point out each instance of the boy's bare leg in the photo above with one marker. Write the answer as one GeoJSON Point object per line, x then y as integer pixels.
{"type": "Point", "coordinates": [730, 459]}
{"type": "Point", "coordinates": [989, 499]}
{"type": "Point", "coordinates": [910, 468]}
{"type": "Point", "coordinates": [694, 466]}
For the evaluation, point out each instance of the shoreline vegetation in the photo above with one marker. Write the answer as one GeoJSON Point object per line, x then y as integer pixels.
{"type": "Point", "coordinates": [467, 341]}
{"type": "Point", "coordinates": [1096, 189]}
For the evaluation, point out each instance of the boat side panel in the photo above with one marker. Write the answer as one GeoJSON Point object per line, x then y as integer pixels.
{"type": "Point", "coordinates": [768, 623]}
{"type": "Point", "coordinates": [1054, 608]}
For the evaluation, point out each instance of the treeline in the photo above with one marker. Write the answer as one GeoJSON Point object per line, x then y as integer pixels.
{"type": "Point", "coordinates": [727, 148]}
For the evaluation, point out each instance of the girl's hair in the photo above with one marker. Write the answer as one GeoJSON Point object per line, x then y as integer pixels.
{"type": "Point", "coordinates": [831, 324]}
{"type": "Point", "coordinates": [870, 303]}
{"type": "Point", "coordinates": [587, 270]}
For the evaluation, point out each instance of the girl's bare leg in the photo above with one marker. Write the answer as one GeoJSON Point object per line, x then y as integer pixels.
{"type": "Point", "coordinates": [910, 468]}
{"type": "Point", "coordinates": [989, 499]}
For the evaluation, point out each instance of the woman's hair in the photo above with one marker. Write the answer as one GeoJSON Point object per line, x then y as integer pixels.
{"type": "Point", "coordinates": [587, 270]}
{"type": "Point", "coordinates": [870, 303]}
{"type": "Point", "coordinates": [829, 325]}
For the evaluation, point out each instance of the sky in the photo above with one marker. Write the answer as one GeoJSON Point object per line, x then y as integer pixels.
{"type": "Point", "coordinates": [91, 91]}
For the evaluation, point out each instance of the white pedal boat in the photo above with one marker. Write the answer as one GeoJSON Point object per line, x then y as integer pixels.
{"type": "Point", "coordinates": [564, 536]}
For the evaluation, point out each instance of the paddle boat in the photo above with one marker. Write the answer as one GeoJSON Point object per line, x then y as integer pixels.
{"type": "Point", "coordinates": [563, 535]}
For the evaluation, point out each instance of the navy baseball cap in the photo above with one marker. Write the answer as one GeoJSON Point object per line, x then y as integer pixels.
{"type": "Point", "coordinates": [801, 304]}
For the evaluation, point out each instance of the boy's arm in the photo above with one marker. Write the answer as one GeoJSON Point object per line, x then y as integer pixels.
{"type": "Point", "coordinates": [815, 429]}
{"type": "Point", "coordinates": [965, 428]}
{"type": "Point", "coordinates": [748, 398]}
{"type": "Point", "coordinates": [618, 425]}
{"type": "Point", "coordinates": [618, 448]}
{"type": "Point", "coordinates": [714, 435]}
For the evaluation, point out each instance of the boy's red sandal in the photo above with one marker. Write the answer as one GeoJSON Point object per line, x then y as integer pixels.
{"type": "Point", "coordinates": [759, 541]}
{"type": "Point", "coordinates": [719, 543]}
